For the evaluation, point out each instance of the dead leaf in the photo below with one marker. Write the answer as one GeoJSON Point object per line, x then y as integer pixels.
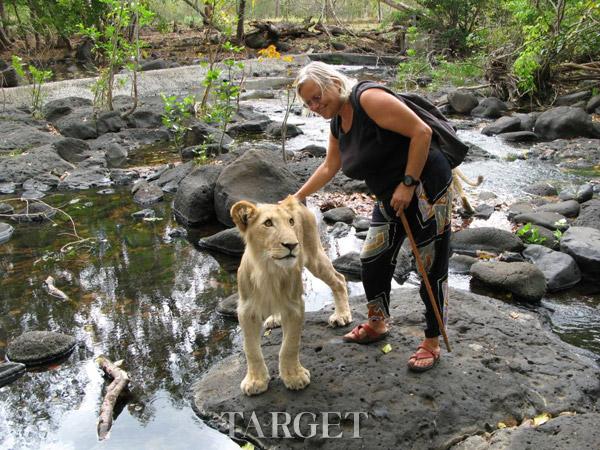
{"type": "Point", "coordinates": [541, 419]}
{"type": "Point", "coordinates": [386, 349]}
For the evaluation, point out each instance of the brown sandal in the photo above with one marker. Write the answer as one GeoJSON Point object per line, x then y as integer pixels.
{"type": "Point", "coordinates": [370, 336]}
{"type": "Point", "coordinates": [422, 353]}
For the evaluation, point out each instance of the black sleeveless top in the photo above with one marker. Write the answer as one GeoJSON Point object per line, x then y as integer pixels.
{"type": "Point", "coordinates": [379, 156]}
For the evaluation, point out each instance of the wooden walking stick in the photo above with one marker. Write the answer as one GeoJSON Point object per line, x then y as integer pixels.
{"type": "Point", "coordinates": [423, 273]}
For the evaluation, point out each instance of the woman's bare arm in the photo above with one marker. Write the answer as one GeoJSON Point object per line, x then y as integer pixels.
{"type": "Point", "coordinates": [390, 113]}
{"type": "Point", "coordinates": [324, 173]}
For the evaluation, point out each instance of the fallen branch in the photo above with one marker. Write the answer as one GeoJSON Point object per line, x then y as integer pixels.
{"type": "Point", "coordinates": [473, 88]}
{"type": "Point", "coordinates": [120, 382]}
{"type": "Point", "coordinates": [53, 290]}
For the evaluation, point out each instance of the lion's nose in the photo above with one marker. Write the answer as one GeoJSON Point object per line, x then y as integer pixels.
{"type": "Point", "coordinates": [289, 245]}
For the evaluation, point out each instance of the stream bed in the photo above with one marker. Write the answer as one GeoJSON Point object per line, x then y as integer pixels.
{"type": "Point", "coordinates": [147, 297]}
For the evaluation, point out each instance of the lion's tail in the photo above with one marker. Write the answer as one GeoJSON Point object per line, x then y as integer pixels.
{"type": "Point", "coordinates": [463, 177]}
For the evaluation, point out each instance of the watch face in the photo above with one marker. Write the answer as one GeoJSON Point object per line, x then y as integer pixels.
{"type": "Point", "coordinates": [409, 181]}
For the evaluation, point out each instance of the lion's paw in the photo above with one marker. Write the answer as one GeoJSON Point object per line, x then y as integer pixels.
{"type": "Point", "coordinates": [340, 319]}
{"type": "Point", "coordinates": [296, 380]}
{"type": "Point", "coordinates": [273, 321]}
{"type": "Point", "coordinates": [254, 385]}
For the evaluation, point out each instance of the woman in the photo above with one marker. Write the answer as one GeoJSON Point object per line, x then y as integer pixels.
{"type": "Point", "coordinates": [375, 137]}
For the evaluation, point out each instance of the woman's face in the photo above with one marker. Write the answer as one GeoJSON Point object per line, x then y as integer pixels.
{"type": "Point", "coordinates": [325, 103]}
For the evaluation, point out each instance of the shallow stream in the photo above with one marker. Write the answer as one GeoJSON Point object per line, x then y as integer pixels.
{"type": "Point", "coordinates": [149, 299]}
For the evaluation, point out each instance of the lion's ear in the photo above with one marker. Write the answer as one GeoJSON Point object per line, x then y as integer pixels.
{"type": "Point", "coordinates": [241, 213]}
{"type": "Point", "coordinates": [290, 202]}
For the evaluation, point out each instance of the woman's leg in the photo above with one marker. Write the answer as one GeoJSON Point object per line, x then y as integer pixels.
{"type": "Point", "coordinates": [378, 261]}
{"type": "Point", "coordinates": [433, 240]}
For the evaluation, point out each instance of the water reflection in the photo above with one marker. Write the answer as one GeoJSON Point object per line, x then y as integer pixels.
{"type": "Point", "coordinates": [134, 297]}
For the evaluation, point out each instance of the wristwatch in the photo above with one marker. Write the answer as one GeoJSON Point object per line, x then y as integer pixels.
{"type": "Point", "coordinates": [410, 181]}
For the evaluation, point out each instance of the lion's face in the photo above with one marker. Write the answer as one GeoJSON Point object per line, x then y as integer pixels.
{"type": "Point", "coordinates": [270, 231]}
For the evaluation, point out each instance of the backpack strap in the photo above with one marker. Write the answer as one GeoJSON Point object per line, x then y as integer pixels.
{"type": "Point", "coordinates": [451, 146]}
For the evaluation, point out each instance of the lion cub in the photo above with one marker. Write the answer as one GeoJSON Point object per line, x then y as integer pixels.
{"type": "Point", "coordinates": [280, 241]}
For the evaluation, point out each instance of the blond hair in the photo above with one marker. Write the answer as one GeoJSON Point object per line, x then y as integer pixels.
{"type": "Point", "coordinates": [325, 77]}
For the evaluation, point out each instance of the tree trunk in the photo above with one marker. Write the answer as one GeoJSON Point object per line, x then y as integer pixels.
{"type": "Point", "coordinates": [5, 43]}
{"type": "Point", "coordinates": [397, 5]}
{"type": "Point", "coordinates": [240, 23]}
{"type": "Point", "coordinates": [277, 9]}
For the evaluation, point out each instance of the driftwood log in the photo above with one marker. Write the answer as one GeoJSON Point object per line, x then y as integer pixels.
{"type": "Point", "coordinates": [120, 381]}
{"type": "Point", "coordinates": [53, 290]}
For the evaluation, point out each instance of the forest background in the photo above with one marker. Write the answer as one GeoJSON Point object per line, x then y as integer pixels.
{"type": "Point", "coordinates": [525, 50]}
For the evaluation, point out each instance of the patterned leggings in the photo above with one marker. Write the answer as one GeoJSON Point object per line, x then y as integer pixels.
{"type": "Point", "coordinates": [430, 225]}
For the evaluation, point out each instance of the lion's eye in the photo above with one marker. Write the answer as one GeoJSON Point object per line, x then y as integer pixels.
{"type": "Point", "coordinates": [292, 222]}
{"type": "Point", "coordinates": [268, 223]}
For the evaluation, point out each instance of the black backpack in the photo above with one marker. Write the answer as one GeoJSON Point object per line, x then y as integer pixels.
{"type": "Point", "coordinates": [451, 146]}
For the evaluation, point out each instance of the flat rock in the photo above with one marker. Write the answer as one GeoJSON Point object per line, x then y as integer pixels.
{"type": "Point", "coordinates": [589, 215]}
{"type": "Point", "coordinates": [490, 107]}
{"type": "Point", "coordinates": [202, 133]}
{"type": "Point", "coordinates": [361, 223]}
{"type": "Point", "coordinates": [194, 202]}
{"type": "Point", "coordinates": [550, 220]}
{"type": "Point", "coordinates": [7, 209]}
{"type": "Point", "coordinates": [349, 264]}
{"type": "Point", "coordinates": [461, 263]}
{"type": "Point", "coordinates": [559, 269]}
{"type": "Point", "coordinates": [564, 122]}
{"type": "Point", "coordinates": [16, 135]}
{"type": "Point", "coordinates": [249, 127]}
{"type": "Point", "coordinates": [519, 208]}
{"type": "Point", "coordinates": [130, 139]}
{"type": "Point", "coordinates": [341, 214]}
{"type": "Point", "coordinates": [35, 212]}
{"type": "Point", "coordinates": [572, 98]}
{"type": "Point", "coordinates": [593, 104]}
{"type": "Point", "coordinates": [462, 102]}
{"type": "Point", "coordinates": [8, 188]}
{"type": "Point", "coordinates": [483, 211]}
{"type": "Point", "coordinates": [317, 151]}
{"type": "Point", "coordinates": [527, 120]}
{"type": "Point", "coordinates": [542, 188]}
{"type": "Point", "coordinates": [524, 280]}
{"type": "Point", "coordinates": [228, 306]}
{"type": "Point", "coordinates": [144, 214]}
{"type": "Point", "coordinates": [505, 366]}
{"type": "Point", "coordinates": [305, 167]}
{"type": "Point", "coordinates": [276, 129]}
{"type": "Point", "coordinates": [86, 178]}
{"type": "Point", "coordinates": [259, 176]}
{"type": "Point", "coordinates": [228, 241]}
{"type": "Point", "coordinates": [6, 232]}
{"type": "Point", "coordinates": [502, 125]}
{"type": "Point", "coordinates": [518, 136]}
{"type": "Point", "coordinates": [339, 230]}
{"type": "Point", "coordinates": [569, 208]}
{"type": "Point", "coordinates": [55, 109]}
{"type": "Point", "coordinates": [10, 371]}
{"type": "Point", "coordinates": [40, 161]}
{"type": "Point", "coordinates": [570, 431]}
{"type": "Point", "coordinates": [40, 347]}
{"type": "Point", "coordinates": [488, 239]}
{"type": "Point", "coordinates": [583, 244]}
{"type": "Point", "coordinates": [116, 156]}
{"type": "Point", "coordinates": [169, 180]}
{"type": "Point", "coordinates": [148, 194]}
